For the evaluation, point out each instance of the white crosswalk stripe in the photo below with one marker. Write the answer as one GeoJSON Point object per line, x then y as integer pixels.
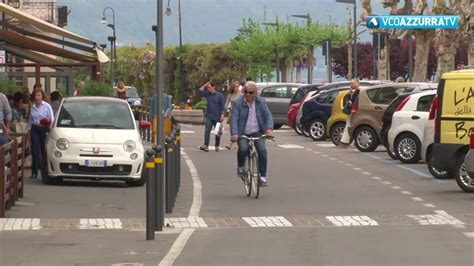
{"type": "Point", "coordinates": [352, 220]}
{"type": "Point", "coordinates": [269, 221]}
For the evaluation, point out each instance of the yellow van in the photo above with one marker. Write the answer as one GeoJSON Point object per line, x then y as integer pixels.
{"type": "Point", "coordinates": [337, 120]}
{"type": "Point", "coordinates": [454, 121]}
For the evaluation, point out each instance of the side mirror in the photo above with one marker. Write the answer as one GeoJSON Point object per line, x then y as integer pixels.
{"type": "Point", "coordinates": [144, 124]}
{"type": "Point", "coordinates": [45, 121]}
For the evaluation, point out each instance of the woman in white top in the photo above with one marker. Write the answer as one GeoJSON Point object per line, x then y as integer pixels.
{"type": "Point", "coordinates": [234, 94]}
{"type": "Point", "coordinates": [41, 116]}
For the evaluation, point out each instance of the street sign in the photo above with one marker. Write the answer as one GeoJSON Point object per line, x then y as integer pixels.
{"type": "Point", "coordinates": [3, 60]}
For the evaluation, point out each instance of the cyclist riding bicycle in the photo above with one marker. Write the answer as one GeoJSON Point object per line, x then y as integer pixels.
{"type": "Point", "coordinates": [251, 117]}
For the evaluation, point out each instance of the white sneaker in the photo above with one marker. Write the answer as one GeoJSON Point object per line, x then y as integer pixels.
{"type": "Point", "coordinates": [263, 181]}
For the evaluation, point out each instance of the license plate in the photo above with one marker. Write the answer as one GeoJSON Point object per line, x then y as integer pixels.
{"type": "Point", "coordinates": [95, 163]}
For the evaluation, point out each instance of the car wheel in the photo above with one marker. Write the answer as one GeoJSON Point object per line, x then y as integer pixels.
{"type": "Point", "coordinates": [436, 173]}
{"type": "Point", "coordinates": [407, 148]}
{"type": "Point", "coordinates": [317, 129]}
{"type": "Point", "coordinates": [306, 133]}
{"type": "Point", "coordinates": [392, 154]}
{"type": "Point", "coordinates": [366, 139]}
{"type": "Point", "coordinates": [277, 126]}
{"type": "Point", "coordinates": [336, 133]}
{"type": "Point", "coordinates": [298, 129]}
{"type": "Point", "coordinates": [465, 182]}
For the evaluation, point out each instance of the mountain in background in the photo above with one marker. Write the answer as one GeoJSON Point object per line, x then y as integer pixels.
{"type": "Point", "coordinates": [203, 21]}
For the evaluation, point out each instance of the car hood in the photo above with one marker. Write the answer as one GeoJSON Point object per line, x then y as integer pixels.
{"type": "Point", "coordinates": [101, 136]}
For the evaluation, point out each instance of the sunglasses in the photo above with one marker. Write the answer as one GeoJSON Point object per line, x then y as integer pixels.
{"type": "Point", "coordinates": [248, 92]}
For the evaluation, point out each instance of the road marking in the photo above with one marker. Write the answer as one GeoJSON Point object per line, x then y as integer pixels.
{"type": "Point", "coordinates": [440, 218]}
{"type": "Point", "coordinates": [376, 178]}
{"type": "Point", "coordinates": [396, 187]}
{"type": "Point", "coordinates": [332, 158]}
{"type": "Point", "coordinates": [357, 169]}
{"type": "Point", "coordinates": [187, 132]}
{"type": "Point", "coordinates": [324, 155]}
{"type": "Point", "coordinates": [317, 152]}
{"type": "Point", "coordinates": [366, 173]}
{"type": "Point", "coordinates": [290, 146]}
{"type": "Point", "coordinates": [469, 234]}
{"type": "Point", "coordinates": [267, 221]}
{"type": "Point", "coordinates": [186, 222]}
{"type": "Point", "coordinates": [19, 224]}
{"type": "Point", "coordinates": [406, 192]}
{"type": "Point", "coordinates": [386, 183]}
{"type": "Point", "coordinates": [417, 199]}
{"type": "Point", "coordinates": [348, 164]}
{"type": "Point", "coordinates": [326, 145]}
{"type": "Point", "coordinates": [341, 162]}
{"type": "Point", "coordinates": [429, 205]}
{"type": "Point", "coordinates": [184, 236]}
{"type": "Point", "coordinates": [351, 220]}
{"type": "Point", "coordinates": [92, 224]}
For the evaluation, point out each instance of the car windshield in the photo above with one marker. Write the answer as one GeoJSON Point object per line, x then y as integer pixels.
{"type": "Point", "coordinates": [95, 114]}
{"type": "Point", "coordinates": [132, 92]}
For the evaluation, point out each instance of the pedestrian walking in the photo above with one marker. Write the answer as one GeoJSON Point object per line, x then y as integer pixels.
{"type": "Point", "coordinates": [214, 112]}
{"type": "Point", "coordinates": [234, 94]}
{"type": "Point", "coordinates": [40, 114]}
{"type": "Point", "coordinates": [5, 119]}
{"type": "Point", "coordinates": [353, 94]}
{"type": "Point", "coordinates": [56, 98]}
{"type": "Point", "coordinates": [252, 118]}
{"type": "Point", "coordinates": [121, 90]}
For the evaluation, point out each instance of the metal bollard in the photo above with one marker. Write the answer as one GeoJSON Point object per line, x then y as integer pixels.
{"type": "Point", "coordinates": [159, 189]}
{"type": "Point", "coordinates": [169, 174]}
{"type": "Point", "coordinates": [178, 158]}
{"type": "Point", "coordinates": [149, 171]}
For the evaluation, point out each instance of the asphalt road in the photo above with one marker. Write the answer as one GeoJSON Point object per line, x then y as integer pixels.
{"type": "Point", "coordinates": [323, 206]}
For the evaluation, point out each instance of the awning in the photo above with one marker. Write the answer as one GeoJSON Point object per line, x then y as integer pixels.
{"type": "Point", "coordinates": [42, 25]}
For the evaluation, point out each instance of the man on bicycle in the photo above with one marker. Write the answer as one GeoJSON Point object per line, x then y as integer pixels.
{"type": "Point", "coordinates": [251, 117]}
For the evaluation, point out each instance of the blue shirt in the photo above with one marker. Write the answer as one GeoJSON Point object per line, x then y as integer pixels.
{"type": "Point", "coordinates": [252, 122]}
{"type": "Point", "coordinates": [38, 113]}
{"type": "Point", "coordinates": [215, 104]}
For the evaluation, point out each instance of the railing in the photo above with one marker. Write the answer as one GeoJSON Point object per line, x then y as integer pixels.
{"type": "Point", "coordinates": [12, 160]}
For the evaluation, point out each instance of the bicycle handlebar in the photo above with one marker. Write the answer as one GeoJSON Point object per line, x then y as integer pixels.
{"type": "Point", "coordinates": [272, 138]}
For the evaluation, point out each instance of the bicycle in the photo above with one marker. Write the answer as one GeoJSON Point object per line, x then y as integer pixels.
{"type": "Point", "coordinates": [252, 176]}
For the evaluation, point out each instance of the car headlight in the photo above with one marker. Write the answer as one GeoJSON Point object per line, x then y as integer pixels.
{"type": "Point", "coordinates": [129, 145]}
{"type": "Point", "coordinates": [62, 144]}
{"type": "Point", "coordinates": [137, 103]}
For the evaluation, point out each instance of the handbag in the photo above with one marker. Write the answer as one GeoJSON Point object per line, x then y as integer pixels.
{"type": "Point", "coordinates": [347, 108]}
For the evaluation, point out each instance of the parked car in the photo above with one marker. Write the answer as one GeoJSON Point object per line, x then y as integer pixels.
{"type": "Point", "coordinates": [469, 160]}
{"type": "Point", "coordinates": [337, 120]}
{"type": "Point", "coordinates": [454, 123]}
{"type": "Point", "coordinates": [133, 97]}
{"type": "Point", "coordinates": [296, 102]}
{"type": "Point", "coordinates": [278, 97]}
{"type": "Point", "coordinates": [387, 122]}
{"type": "Point", "coordinates": [427, 146]}
{"type": "Point", "coordinates": [94, 138]}
{"type": "Point", "coordinates": [317, 111]}
{"type": "Point", "coordinates": [408, 123]}
{"type": "Point", "coordinates": [334, 85]}
{"type": "Point", "coordinates": [368, 109]}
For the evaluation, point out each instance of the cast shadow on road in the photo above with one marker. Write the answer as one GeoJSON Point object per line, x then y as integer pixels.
{"type": "Point", "coordinates": [84, 183]}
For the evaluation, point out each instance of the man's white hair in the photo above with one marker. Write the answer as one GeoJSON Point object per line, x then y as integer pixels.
{"type": "Point", "coordinates": [251, 85]}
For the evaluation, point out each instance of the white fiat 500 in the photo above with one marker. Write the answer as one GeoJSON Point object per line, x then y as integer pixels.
{"type": "Point", "coordinates": [94, 138]}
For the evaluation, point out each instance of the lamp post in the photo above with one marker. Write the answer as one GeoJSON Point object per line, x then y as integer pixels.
{"type": "Point", "coordinates": [168, 12]}
{"type": "Point", "coordinates": [102, 72]}
{"type": "Point", "coordinates": [356, 74]}
{"type": "Point", "coordinates": [112, 40]}
{"type": "Point", "coordinates": [310, 48]}
{"type": "Point", "coordinates": [277, 25]}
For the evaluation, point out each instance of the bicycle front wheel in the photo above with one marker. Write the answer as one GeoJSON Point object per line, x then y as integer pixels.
{"type": "Point", "coordinates": [248, 177]}
{"type": "Point", "coordinates": [255, 176]}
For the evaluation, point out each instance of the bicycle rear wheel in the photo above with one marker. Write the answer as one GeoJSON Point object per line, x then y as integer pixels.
{"type": "Point", "coordinates": [247, 177]}
{"type": "Point", "coordinates": [255, 176]}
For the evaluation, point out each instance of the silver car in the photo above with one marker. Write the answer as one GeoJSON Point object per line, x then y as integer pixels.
{"type": "Point", "coordinates": [278, 97]}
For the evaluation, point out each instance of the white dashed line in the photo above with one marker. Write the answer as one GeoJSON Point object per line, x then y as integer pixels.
{"type": "Point", "coordinates": [417, 199]}
{"type": "Point", "coordinates": [270, 221]}
{"type": "Point", "coordinates": [429, 205]}
{"type": "Point", "coordinates": [324, 155]}
{"type": "Point", "coordinates": [441, 218]}
{"type": "Point", "coordinates": [187, 132]}
{"type": "Point", "coordinates": [326, 145]}
{"type": "Point", "coordinates": [357, 169]}
{"type": "Point", "coordinates": [386, 183]}
{"type": "Point", "coordinates": [406, 192]}
{"type": "Point", "coordinates": [332, 158]}
{"type": "Point", "coordinates": [317, 152]}
{"type": "Point", "coordinates": [366, 173]}
{"type": "Point", "coordinates": [469, 234]}
{"type": "Point", "coordinates": [351, 220]}
{"type": "Point", "coordinates": [186, 222]}
{"type": "Point", "coordinates": [396, 187]}
{"type": "Point", "coordinates": [348, 164]}
{"type": "Point", "coordinates": [341, 162]}
{"type": "Point", "coordinates": [376, 178]}
{"type": "Point", "coordinates": [290, 146]}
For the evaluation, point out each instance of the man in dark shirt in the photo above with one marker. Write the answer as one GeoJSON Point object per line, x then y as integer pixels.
{"type": "Point", "coordinates": [214, 112]}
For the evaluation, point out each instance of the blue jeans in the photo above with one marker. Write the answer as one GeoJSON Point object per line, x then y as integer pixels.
{"type": "Point", "coordinates": [207, 132]}
{"type": "Point", "coordinates": [261, 151]}
{"type": "Point", "coordinates": [38, 136]}
{"type": "Point", "coordinates": [3, 139]}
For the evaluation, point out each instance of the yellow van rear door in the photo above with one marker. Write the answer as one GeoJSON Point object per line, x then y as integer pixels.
{"type": "Point", "coordinates": [457, 117]}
